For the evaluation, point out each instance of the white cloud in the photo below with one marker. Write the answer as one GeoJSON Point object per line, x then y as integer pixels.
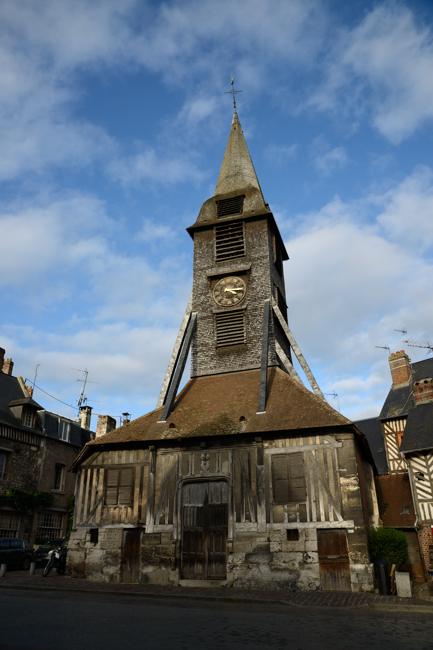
{"type": "Point", "coordinates": [383, 66]}
{"type": "Point", "coordinates": [351, 281]}
{"type": "Point", "coordinates": [328, 159]}
{"type": "Point", "coordinates": [280, 153]}
{"type": "Point", "coordinates": [408, 213]}
{"type": "Point", "coordinates": [147, 165]}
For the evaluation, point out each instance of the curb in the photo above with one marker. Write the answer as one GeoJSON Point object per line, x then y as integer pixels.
{"type": "Point", "coordinates": [232, 598]}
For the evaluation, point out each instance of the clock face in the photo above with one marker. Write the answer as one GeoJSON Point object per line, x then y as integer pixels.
{"type": "Point", "coordinates": [229, 291]}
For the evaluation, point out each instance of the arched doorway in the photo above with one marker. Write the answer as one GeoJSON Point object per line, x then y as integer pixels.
{"type": "Point", "coordinates": [204, 513]}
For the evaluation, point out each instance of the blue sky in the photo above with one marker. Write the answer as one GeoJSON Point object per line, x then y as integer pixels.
{"type": "Point", "coordinates": [113, 123]}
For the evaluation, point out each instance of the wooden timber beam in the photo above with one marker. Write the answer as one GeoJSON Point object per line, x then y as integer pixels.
{"type": "Point", "coordinates": [263, 390]}
{"type": "Point", "coordinates": [179, 367]}
{"type": "Point", "coordinates": [296, 349]}
{"type": "Point", "coordinates": [174, 355]}
{"type": "Point", "coordinates": [286, 362]}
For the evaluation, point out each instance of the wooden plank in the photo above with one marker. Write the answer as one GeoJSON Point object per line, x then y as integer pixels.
{"type": "Point", "coordinates": [296, 349]}
{"type": "Point", "coordinates": [264, 359]}
{"type": "Point", "coordinates": [179, 368]}
{"type": "Point", "coordinates": [174, 355]}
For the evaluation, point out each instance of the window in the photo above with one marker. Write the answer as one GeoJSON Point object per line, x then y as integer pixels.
{"type": "Point", "coordinates": [288, 478]}
{"type": "Point", "coordinates": [64, 428]}
{"type": "Point", "coordinates": [3, 461]}
{"type": "Point", "coordinates": [230, 327]}
{"type": "Point", "coordinates": [28, 417]}
{"type": "Point", "coordinates": [9, 524]}
{"type": "Point", "coordinates": [234, 205]}
{"type": "Point", "coordinates": [59, 476]}
{"type": "Point", "coordinates": [229, 241]}
{"type": "Point", "coordinates": [292, 534]}
{"type": "Point", "coordinates": [50, 526]}
{"type": "Point", "coordinates": [94, 535]}
{"type": "Point", "coordinates": [118, 487]}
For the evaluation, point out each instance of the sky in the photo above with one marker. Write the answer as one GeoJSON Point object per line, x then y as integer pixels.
{"type": "Point", "coordinates": [113, 124]}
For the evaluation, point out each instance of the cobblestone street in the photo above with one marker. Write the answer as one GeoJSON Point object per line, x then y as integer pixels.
{"type": "Point", "coordinates": [47, 619]}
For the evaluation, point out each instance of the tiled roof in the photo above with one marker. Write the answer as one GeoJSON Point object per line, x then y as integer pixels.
{"type": "Point", "coordinates": [226, 404]}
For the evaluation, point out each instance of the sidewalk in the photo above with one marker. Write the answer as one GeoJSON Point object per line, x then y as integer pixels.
{"type": "Point", "coordinates": [23, 581]}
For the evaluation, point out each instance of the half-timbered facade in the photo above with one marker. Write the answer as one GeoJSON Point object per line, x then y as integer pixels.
{"type": "Point", "coordinates": [405, 482]}
{"type": "Point", "coordinates": [246, 477]}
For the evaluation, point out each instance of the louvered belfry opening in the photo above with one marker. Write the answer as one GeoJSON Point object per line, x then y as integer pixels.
{"type": "Point", "coordinates": [230, 328]}
{"type": "Point", "coordinates": [234, 205]}
{"type": "Point", "coordinates": [229, 240]}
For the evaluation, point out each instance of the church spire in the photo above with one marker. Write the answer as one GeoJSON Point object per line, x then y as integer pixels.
{"type": "Point", "coordinates": [237, 170]}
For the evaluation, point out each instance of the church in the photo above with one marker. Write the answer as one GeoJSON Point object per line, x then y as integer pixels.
{"type": "Point", "coordinates": [245, 477]}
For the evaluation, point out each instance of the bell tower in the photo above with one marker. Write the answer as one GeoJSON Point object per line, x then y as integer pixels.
{"type": "Point", "coordinates": [237, 318]}
{"type": "Point", "coordinates": [238, 269]}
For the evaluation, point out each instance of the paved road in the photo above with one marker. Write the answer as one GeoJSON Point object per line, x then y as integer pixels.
{"type": "Point", "coordinates": [50, 621]}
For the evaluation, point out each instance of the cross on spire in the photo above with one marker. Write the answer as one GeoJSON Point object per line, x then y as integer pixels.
{"type": "Point", "coordinates": [233, 92]}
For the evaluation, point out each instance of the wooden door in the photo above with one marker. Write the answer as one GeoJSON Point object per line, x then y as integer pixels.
{"type": "Point", "coordinates": [130, 568]}
{"type": "Point", "coordinates": [204, 530]}
{"type": "Point", "coordinates": [333, 560]}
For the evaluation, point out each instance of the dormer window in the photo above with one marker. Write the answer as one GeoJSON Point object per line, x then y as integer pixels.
{"type": "Point", "coordinates": [226, 207]}
{"type": "Point", "coordinates": [28, 417]}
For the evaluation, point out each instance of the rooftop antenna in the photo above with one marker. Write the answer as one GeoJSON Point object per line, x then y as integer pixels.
{"type": "Point", "coordinates": [411, 344]}
{"type": "Point", "coordinates": [334, 396]}
{"type": "Point", "coordinates": [233, 92]}
{"type": "Point", "coordinates": [82, 398]}
{"type": "Point", "coordinates": [36, 375]}
{"type": "Point", "coordinates": [383, 347]}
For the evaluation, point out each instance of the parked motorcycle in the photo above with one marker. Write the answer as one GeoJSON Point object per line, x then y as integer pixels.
{"type": "Point", "coordinates": [56, 559]}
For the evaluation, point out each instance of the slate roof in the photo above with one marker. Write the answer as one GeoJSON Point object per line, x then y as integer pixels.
{"type": "Point", "coordinates": [399, 401]}
{"type": "Point", "coordinates": [10, 391]}
{"type": "Point", "coordinates": [418, 433]}
{"type": "Point", "coordinates": [226, 405]}
{"type": "Point", "coordinates": [372, 430]}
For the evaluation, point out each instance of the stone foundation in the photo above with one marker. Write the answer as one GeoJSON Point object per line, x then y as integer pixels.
{"type": "Point", "coordinates": [267, 560]}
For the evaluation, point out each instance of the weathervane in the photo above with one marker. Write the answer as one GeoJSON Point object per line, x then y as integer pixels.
{"type": "Point", "coordinates": [233, 92]}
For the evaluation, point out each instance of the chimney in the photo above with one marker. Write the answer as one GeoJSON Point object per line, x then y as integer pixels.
{"type": "Point", "coordinates": [8, 366]}
{"type": "Point", "coordinates": [2, 356]}
{"type": "Point", "coordinates": [105, 424]}
{"type": "Point", "coordinates": [423, 391]}
{"type": "Point", "coordinates": [85, 416]}
{"type": "Point", "coordinates": [401, 372]}
{"type": "Point", "coordinates": [126, 418]}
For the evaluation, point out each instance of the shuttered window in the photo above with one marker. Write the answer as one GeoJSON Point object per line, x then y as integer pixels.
{"type": "Point", "coordinates": [230, 328]}
{"type": "Point", "coordinates": [234, 205]}
{"type": "Point", "coordinates": [288, 478]}
{"type": "Point", "coordinates": [118, 487]}
{"type": "Point", "coordinates": [229, 240]}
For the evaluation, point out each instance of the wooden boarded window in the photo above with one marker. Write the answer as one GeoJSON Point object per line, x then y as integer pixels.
{"type": "Point", "coordinates": [230, 328]}
{"type": "Point", "coordinates": [118, 487]}
{"type": "Point", "coordinates": [234, 205]}
{"type": "Point", "coordinates": [229, 240]}
{"type": "Point", "coordinates": [288, 478]}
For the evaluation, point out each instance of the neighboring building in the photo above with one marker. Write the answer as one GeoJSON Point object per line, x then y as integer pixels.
{"type": "Point", "coordinates": [37, 449]}
{"type": "Point", "coordinates": [401, 440]}
{"type": "Point", "coordinates": [245, 478]}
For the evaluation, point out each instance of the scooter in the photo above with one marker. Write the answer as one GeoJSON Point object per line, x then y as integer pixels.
{"type": "Point", "coordinates": [57, 559]}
